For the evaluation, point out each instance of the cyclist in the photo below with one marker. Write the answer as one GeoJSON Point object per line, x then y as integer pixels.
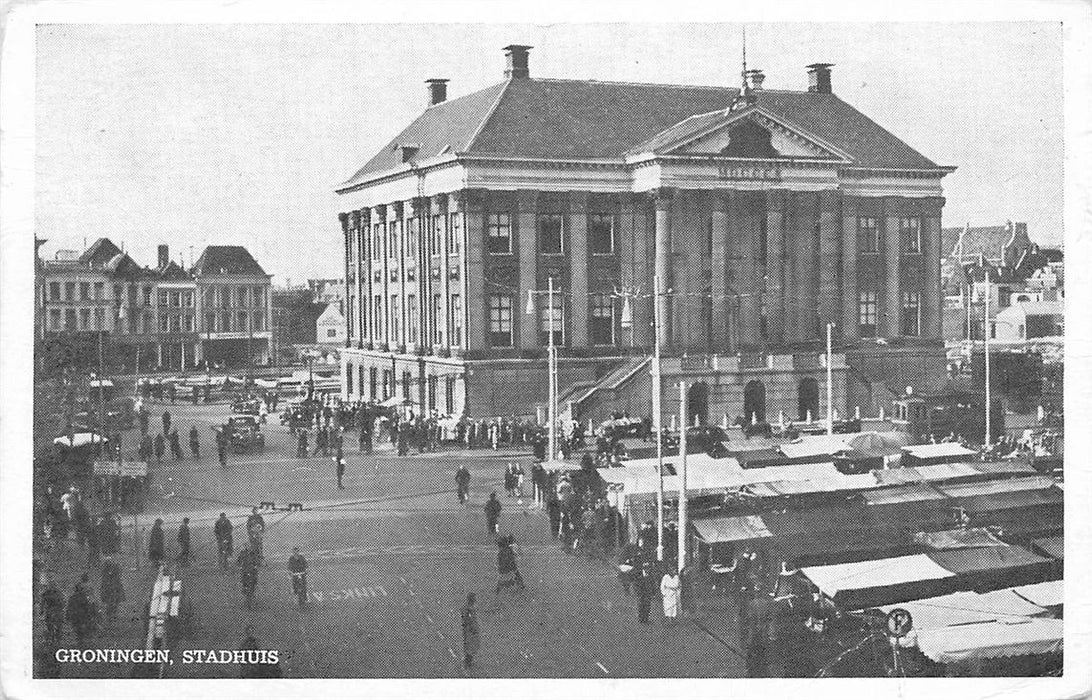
{"type": "Point", "coordinates": [255, 527]}
{"type": "Point", "coordinates": [297, 567]}
{"type": "Point", "coordinates": [248, 569]}
{"type": "Point", "coordinates": [223, 530]}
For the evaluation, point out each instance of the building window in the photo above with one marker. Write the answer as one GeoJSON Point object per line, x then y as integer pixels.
{"type": "Point", "coordinates": [243, 321]}
{"type": "Point", "coordinates": [437, 234]}
{"type": "Point", "coordinates": [187, 299]}
{"type": "Point", "coordinates": [388, 383]}
{"type": "Point", "coordinates": [406, 378]}
{"type": "Point", "coordinates": [911, 313]}
{"type": "Point", "coordinates": [910, 233]}
{"type": "Point", "coordinates": [349, 379]}
{"type": "Point", "coordinates": [550, 228]}
{"type": "Point", "coordinates": [500, 233]}
{"type": "Point", "coordinates": [176, 300]}
{"type": "Point", "coordinates": [164, 323]}
{"type": "Point", "coordinates": [411, 317]}
{"type": "Point", "coordinates": [70, 319]}
{"type": "Point", "coordinates": [377, 242]}
{"type": "Point", "coordinates": [868, 314]}
{"type": "Point", "coordinates": [163, 297]}
{"type": "Point", "coordinates": [244, 297]}
{"type": "Point", "coordinates": [85, 319]}
{"type": "Point", "coordinates": [55, 291]}
{"type": "Point", "coordinates": [449, 395]}
{"type": "Point", "coordinates": [85, 291]}
{"type": "Point", "coordinates": [551, 320]}
{"type": "Point", "coordinates": [602, 319]}
{"type": "Point", "coordinates": [396, 318]}
{"type": "Point", "coordinates": [55, 319]}
{"type": "Point", "coordinates": [455, 232]}
{"type": "Point", "coordinates": [98, 291]}
{"type": "Point", "coordinates": [210, 322]}
{"type": "Point", "coordinates": [225, 322]}
{"type": "Point", "coordinates": [394, 233]}
{"type": "Point", "coordinates": [176, 323]}
{"type": "Point", "coordinates": [763, 240]}
{"type": "Point", "coordinates": [188, 318]}
{"type": "Point", "coordinates": [331, 333]}
{"type": "Point", "coordinates": [259, 296]}
{"type": "Point", "coordinates": [432, 382]}
{"type": "Point", "coordinates": [378, 317]}
{"type": "Point", "coordinates": [258, 321]}
{"type": "Point", "coordinates": [438, 326]}
{"type": "Point", "coordinates": [224, 295]}
{"type": "Point", "coordinates": [456, 320]}
{"type": "Point", "coordinates": [100, 320]}
{"type": "Point", "coordinates": [147, 296]}
{"type": "Point", "coordinates": [601, 234]}
{"type": "Point", "coordinates": [372, 381]}
{"type": "Point", "coordinates": [411, 237]}
{"type": "Point", "coordinates": [868, 234]}
{"type": "Point", "coordinates": [500, 320]}
{"type": "Point", "coordinates": [70, 291]}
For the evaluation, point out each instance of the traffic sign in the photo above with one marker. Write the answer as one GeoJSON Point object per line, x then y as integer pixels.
{"type": "Point", "coordinates": [899, 622]}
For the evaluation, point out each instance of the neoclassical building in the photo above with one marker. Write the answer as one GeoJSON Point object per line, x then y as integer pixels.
{"type": "Point", "coordinates": [766, 214]}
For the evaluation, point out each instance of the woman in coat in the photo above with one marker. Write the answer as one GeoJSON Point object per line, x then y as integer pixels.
{"type": "Point", "coordinates": [671, 590]}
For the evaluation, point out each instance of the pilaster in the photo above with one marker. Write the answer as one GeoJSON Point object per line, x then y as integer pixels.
{"type": "Point", "coordinates": [527, 247]}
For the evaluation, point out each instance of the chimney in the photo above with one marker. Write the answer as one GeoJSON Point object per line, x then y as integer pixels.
{"type": "Point", "coordinates": [437, 90]}
{"type": "Point", "coordinates": [756, 76]}
{"type": "Point", "coordinates": [517, 61]}
{"type": "Point", "coordinates": [819, 77]}
{"type": "Point", "coordinates": [164, 257]}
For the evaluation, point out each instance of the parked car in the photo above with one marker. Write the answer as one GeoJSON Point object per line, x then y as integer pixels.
{"type": "Point", "coordinates": [244, 433]}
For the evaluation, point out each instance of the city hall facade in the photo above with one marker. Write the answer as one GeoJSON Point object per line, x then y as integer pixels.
{"type": "Point", "coordinates": [766, 215]}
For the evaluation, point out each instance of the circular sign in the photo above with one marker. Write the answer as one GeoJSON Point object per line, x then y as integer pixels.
{"type": "Point", "coordinates": [899, 622]}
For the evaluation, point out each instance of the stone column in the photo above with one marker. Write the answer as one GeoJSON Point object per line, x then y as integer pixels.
{"type": "Point", "coordinates": [443, 314]}
{"type": "Point", "coordinates": [775, 265]}
{"type": "Point", "coordinates": [364, 277]}
{"type": "Point", "coordinates": [642, 258]}
{"type": "Point", "coordinates": [625, 246]}
{"type": "Point", "coordinates": [474, 301]}
{"type": "Point", "coordinates": [577, 240]}
{"type": "Point", "coordinates": [663, 261]}
{"type": "Point", "coordinates": [829, 259]}
{"type": "Point", "coordinates": [748, 240]}
{"type": "Point", "coordinates": [892, 305]}
{"type": "Point", "coordinates": [802, 295]}
{"type": "Point", "coordinates": [527, 247]}
{"type": "Point", "coordinates": [348, 221]}
{"type": "Point", "coordinates": [384, 326]}
{"type": "Point", "coordinates": [719, 268]}
{"type": "Point", "coordinates": [850, 294]}
{"type": "Point", "coordinates": [423, 288]}
{"type": "Point", "coordinates": [932, 299]}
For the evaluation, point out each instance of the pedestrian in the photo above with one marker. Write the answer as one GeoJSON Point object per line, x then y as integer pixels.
{"type": "Point", "coordinates": [194, 395]}
{"type": "Point", "coordinates": [176, 448]}
{"type": "Point", "coordinates": [80, 521]}
{"type": "Point", "coordinates": [339, 461]}
{"type": "Point", "coordinates": [321, 442]}
{"type": "Point", "coordinates": [166, 422]}
{"type": "Point", "coordinates": [142, 418]}
{"type": "Point", "coordinates": [301, 445]}
{"type": "Point", "coordinates": [184, 543]}
{"type": "Point", "coordinates": [223, 532]}
{"type": "Point", "coordinates": [492, 512]}
{"type": "Point", "coordinates": [643, 583]}
{"type": "Point", "coordinates": [221, 447]}
{"type": "Point", "coordinates": [507, 570]}
{"type": "Point", "coordinates": [81, 611]}
{"type": "Point", "coordinates": [172, 392]}
{"type": "Point", "coordinates": [755, 619]}
{"type": "Point", "coordinates": [365, 433]}
{"type": "Point", "coordinates": [155, 543]}
{"type": "Point", "coordinates": [671, 590]}
{"type": "Point", "coordinates": [462, 483]}
{"type": "Point", "coordinates": [160, 448]}
{"type": "Point", "coordinates": [255, 528]}
{"type": "Point", "coordinates": [553, 511]}
{"type": "Point", "coordinates": [145, 450]}
{"type": "Point", "coordinates": [110, 589]}
{"type": "Point", "coordinates": [471, 632]}
{"type": "Point", "coordinates": [195, 443]}
{"type": "Point", "coordinates": [52, 612]}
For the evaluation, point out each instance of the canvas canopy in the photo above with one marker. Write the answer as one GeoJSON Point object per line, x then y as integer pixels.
{"type": "Point", "coordinates": [1052, 546]}
{"type": "Point", "coordinates": [958, 539]}
{"type": "Point", "coordinates": [990, 640]}
{"type": "Point", "coordinates": [914, 493]}
{"type": "Point", "coordinates": [991, 503]}
{"type": "Point", "coordinates": [943, 449]}
{"type": "Point", "coordinates": [967, 607]}
{"type": "Point", "coordinates": [734, 529]}
{"type": "Point", "coordinates": [80, 440]}
{"type": "Point", "coordinates": [836, 578]}
{"type": "Point", "coordinates": [915, 475]}
{"type": "Point", "coordinates": [995, 486]}
{"type": "Point", "coordinates": [985, 559]}
{"type": "Point", "coordinates": [1046, 594]}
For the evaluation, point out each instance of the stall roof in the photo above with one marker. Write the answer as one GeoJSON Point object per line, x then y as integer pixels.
{"type": "Point", "coordinates": [751, 459]}
{"type": "Point", "coordinates": [911, 493]}
{"type": "Point", "coordinates": [995, 486]}
{"type": "Point", "coordinates": [989, 640]}
{"type": "Point", "coordinates": [1003, 468]}
{"type": "Point", "coordinates": [1052, 546]}
{"type": "Point", "coordinates": [967, 607]}
{"type": "Point", "coordinates": [1046, 594]}
{"type": "Point", "coordinates": [875, 573]}
{"type": "Point", "coordinates": [962, 538]}
{"type": "Point", "coordinates": [734, 529]}
{"type": "Point", "coordinates": [940, 449]}
{"type": "Point", "coordinates": [1009, 501]}
{"type": "Point", "coordinates": [80, 440]}
{"type": "Point", "coordinates": [931, 472]}
{"type": "Point", "coordinates": [850, 482]}
{"type": "Point", "coordinates": [981, 559]}
{"type": "Point", "coordinates": [705, 474]}
{"type": "Point", "coordinates": [562, 465]}
{"type": "Point", "coordinates": [817, 445]}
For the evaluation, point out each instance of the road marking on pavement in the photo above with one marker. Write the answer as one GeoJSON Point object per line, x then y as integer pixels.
{"type": "Point", "coordinates": [602, 668]}
{"type": "Point", "coordinates": [349, 593]}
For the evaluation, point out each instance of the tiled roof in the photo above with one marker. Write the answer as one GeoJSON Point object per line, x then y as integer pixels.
{"type": "Point", "coordinates": [100, 253]}
{"type": "Point", "coordinates": [549, 118]}
{"type": "Point", "coordinates": [227, 259]}
{"type": "Point", "coordinates": [988, 240]}
{"type": "Point", "coordinates": [172, 272]}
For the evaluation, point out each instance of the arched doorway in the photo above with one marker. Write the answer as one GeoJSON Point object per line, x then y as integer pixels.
{"type": "Point", "coordinates": [697, 404]}
{"type": "Point", "coordinates": [808, 398]}
{"type": "Point", "coordinates": [754, 402]}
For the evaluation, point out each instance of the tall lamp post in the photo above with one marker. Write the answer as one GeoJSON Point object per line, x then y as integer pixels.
{"type": "Point", "coordinates": [683, 504]}
{"type": "Point", "coordinates": [986, 352]}
{"type": "Point", "coordinates": [830, 383]}
{"type": "Point", "coordinates": [658, 418]}
{"type": "Point", "coordinates": [551, 410]}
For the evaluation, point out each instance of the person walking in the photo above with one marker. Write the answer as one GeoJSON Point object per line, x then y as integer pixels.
{"type": "Point", "coordinates": [223, 531]}
{"type": "Point", "coordinates": [176, 448]}
{"type": "Point", "coordinates": [643, 583]}
{"type": "Point", "coordinates": [471, 632]}
{"type": "Point", "coordinates": [155, 543]}
{"type": "Point", "coordinates": [52, 612]}
{"type": "Point", "coordinates": [492, 512]}
{"type": "Point", "coordinates": [166, 422]}
{"type": "Point", "coordinates": [321, 441]}
{"type": "Point", "coordinates": [462, 483]}
{"type": "Point", "coordinates": [507, 570]}
{"type": "Point", "coordinates": [671, 590]}
{"type": "Point", "coordinates": [81, 611]}
{"type": "Point", "coordinates": [160, 448]}
{"type": "Point", "coordinates": [195, 443]}
{"type": "Point", "coordinates": [184, 543]}
{"type": "Point", "coordinates": [301, 445]}
{"type": "Point", "coordinates": [110, 590]}
{"type": "Point", "coordinates": [221, 447]}
{"type": "Point", "coordinates": [339, 465]}
{"type": "Point", "coordinates": [255, 528]}
{"type": "Point", "coordinates": [553, 511]}
{"type": "Point", "coordinates": [365, 432]}
{"type": "Point", "coordinates": [142, 419]}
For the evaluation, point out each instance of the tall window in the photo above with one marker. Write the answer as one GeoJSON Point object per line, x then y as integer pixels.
{"type": "Point", "coordinates": [396, 317]}
{"type": "Point", "coordinates": [85, 291]}
{"type": "Point", "coordinates": [258, 322]}
{"type": "Point", "coordinates": [500, 233]}
{"type": "Point", "coordinates": [411, 237]}
{"type": "Point", "coordinates": [551, 321]}
{"type": "Point", "coordinates": [164, 323]}
{"type": "Point", "coordinates": [349, 378]}
{"type": "Point", "coordinates": [210, 322]}
{"type": "Point", "coordinates": [602, 319]}
{"type": "Point", "coordinates": [763, 240]}
{"type": "Point", "coordinates": [147, 296]}
{"type": "Point", "coordinates": [500, 320]}
{"type": "Point", "coordinates": [449, 395]}
{"type": "Point", "coordinates": [100, 319]}
{"type": "Point", "coordinates": [225, 322]}
{"type": "Point", "coordinates": [85, 319]}
{"type": "Point", "coordinates": [188, 325]}
{"type": "Point", "coordinates": [910, 233]}
{"type": "Point", "coordinates": [98, 290]}
{"type": "Point", "coordinates": [388, 383]}
{"type": "Point", "coordinates": [411, 317]}
{"type": "Point", "coordinates": [437, 234]}
{"type": "Point", "coordinates": [55, 319]}
{"type": "Point", "coordinates": [868, 234]}
{"type": "Point", "coordinates": [550, 233]}
{"type": "Point", "coordinates": [70, 291]}
{"type": "Point", "coordinates": [377, 317]}
{"type": "Point", "coordinates": [911, 313]}
{"type": "Point", "coordinates": [601, 234]}
{"type": "Point", "coordinates": [187, 299]}
{"type": "Point", "coordinates": [372, 381]}
{"type": "Point", "coordinates": [70, 319]}
{"type": "Point", "coordinates": [438, 326]}
{"type": "Point", "coordinates": [456, 320]}
{"type": "Point", "coordinates": [406, 378]}
{"type": "Point", "coordinates": [868, 314]}
{"type": "Point", "coordinates": [433, 380]}
{"type": "Point", "coordinates": [455, 232]}
{"type": "Point", "coordinates": [164, 297]}
{"type": "Point", "coordinates": [55, 291]}
{"type": "Point", "coordinates": [259, 296]}
{"type": "Point", "coordinates": [393, 229]}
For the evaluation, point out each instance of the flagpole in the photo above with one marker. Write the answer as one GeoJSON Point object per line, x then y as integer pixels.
{"type": "Point", "coordinates": [682, 476]}
{"type": "Point", "coordinates": [658, 418]}
{"type": "Point", "coordinates": [552, 362]}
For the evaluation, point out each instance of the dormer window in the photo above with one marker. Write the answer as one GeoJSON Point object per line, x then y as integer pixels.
{"type": "Point", "coordinates": [409, 151]}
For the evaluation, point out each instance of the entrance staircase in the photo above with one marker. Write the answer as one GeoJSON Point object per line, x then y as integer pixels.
{"type": "Point", "coordinates": [580, 398]}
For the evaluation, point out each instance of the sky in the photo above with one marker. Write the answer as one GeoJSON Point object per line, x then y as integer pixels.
{"type": "Point", "coordinates": [237, 133]}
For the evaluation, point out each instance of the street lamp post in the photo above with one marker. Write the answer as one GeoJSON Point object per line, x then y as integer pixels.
{"type": "Point", "coordinates": [658, 418]}
{"type": "Point", "coordinates": [830, 384]}
{"type": "Point", "coordinates": [986, 352]}
{"type": "Point", "coordinates": [551, 365]}
{"type": "Point", "coordinates": [682, 475]}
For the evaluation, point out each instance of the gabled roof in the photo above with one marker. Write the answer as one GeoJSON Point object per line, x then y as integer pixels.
{"type": "Point", "coordinates": [100, 253]}
{"type": "Point", "coordinates": [227, 259]}
{"type": "Point", "coordinates": [575, 119]}
{"type": "Point", "coordinates": [987, 240]}
{"type": "Point", "coordinates": [172, 272]}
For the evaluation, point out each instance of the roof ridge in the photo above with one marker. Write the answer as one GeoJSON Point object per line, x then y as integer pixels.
{"type": "Point", "coordinates": [489, 114]}
{"type": "Point", "coordinates": [631, 82]}
{"type": "Point", "coordinates": [463, 96]}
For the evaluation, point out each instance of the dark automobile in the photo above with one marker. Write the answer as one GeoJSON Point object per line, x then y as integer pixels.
{"type": "Point", "coordinates": [244, 434]}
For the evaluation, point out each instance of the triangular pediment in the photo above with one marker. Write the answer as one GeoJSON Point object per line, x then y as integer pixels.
{"type": "Point", "coordinates": [753, 133]}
